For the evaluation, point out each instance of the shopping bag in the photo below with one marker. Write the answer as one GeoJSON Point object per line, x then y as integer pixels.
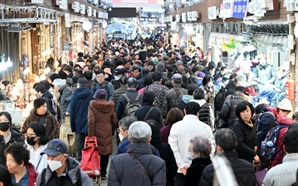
{"type": "Point", "coordinates": [68, 136]}
{"type": "Point", "coordinates": [260, 174]}
{"type": "Point", "coordinates": [90, 162]}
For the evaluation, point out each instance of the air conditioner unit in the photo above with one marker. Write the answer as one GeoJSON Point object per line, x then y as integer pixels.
{"type": "Point", "coordinates": [82, 9]}
{"type": "Point", "coordinates": [89, 11]}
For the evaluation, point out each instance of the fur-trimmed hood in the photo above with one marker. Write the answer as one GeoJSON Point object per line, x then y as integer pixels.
{"type": "Point", "coordinates": [102, 105]}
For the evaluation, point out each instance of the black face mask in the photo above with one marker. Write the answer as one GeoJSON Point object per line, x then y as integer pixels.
{"type": "Point", "coordinates": [4, 126]}
{"type": "Point", "coordinates": [30, 141]}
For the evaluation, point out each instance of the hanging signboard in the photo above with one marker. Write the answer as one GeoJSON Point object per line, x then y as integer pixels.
{"type": "Point", "coordinates": [239, 8]}
{"type": "Point", "coordinates": [212, 12]}
{"type": "Point", "coordinates": [184, 17]}
{"type": "Point", "coordinates": [226, 9]}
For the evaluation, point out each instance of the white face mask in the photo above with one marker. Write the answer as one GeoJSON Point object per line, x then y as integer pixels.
{"type": "Point", "coordinates": [116, 78]}
{"type": "Point", "coordinates": [55, 164]}
{"type": "Point", "coordinates": [106, 76]}
{"type": "Point", "coordinates": [210, 84]}
{"type": "Point", "coordinates": [121, 137]}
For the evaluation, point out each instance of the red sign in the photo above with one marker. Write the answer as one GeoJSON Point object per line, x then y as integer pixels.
{"type": "Point", "coordinates": [143, 2]}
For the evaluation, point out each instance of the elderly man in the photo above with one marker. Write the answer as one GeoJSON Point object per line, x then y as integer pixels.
{"type": "Point", "coordinates": [61, 168]}
{"type": "Point", "coordinates": [226, 143]}
{"type": "Point", "coordinates": [144, 168]}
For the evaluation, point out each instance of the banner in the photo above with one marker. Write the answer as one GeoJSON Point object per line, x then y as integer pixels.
{"type": "Point", "coordinates": [240, 8]}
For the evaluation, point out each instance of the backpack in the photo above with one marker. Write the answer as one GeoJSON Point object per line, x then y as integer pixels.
{"type": "Point", "coordinates": [43, 177]}
{"type": "Point", "coordinates": [220, 98]}
{"type": "Point", "coordinates": [54, 106]}
{"type": "Point", "coordinates": [132, 105]}
{"type": "Point", "coordinates": [258, 119]}
{"type": "Point", "coordinates": [269, 145]}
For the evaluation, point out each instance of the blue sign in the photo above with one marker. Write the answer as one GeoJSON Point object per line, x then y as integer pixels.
{"type": "Point", "coordinates": [239, 8]}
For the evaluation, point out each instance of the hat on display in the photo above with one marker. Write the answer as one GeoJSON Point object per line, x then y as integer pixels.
{"type": "Point", "coordinates": [100, 94]}
{"type": "Point", "coordinates": [250, 90]}
{"type": "Point", "coordinates": [177, 78]}
{"type": "Point", "coordinates": [285, 104]}
{"type": "Point", "coordinates": [55, 147]}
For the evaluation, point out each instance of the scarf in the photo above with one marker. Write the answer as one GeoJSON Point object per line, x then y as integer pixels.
{"type": "Point", "coordinates": [250, 123]}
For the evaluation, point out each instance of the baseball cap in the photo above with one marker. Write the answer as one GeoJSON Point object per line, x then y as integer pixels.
{"type": "Point", "coordinates": [55, 147]}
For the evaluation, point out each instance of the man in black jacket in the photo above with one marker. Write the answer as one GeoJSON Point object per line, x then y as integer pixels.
{"type": "Point", "coordinates": [226, 143]}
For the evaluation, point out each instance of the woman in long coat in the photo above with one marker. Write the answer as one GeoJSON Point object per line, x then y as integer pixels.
{"type": "Point", "coordinates": [101, 119]}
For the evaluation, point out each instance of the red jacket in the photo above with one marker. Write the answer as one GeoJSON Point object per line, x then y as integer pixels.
{"type": "Point", "coordinates": [32, 174]}
{"type": "Point", "coordinates": [282, 120]}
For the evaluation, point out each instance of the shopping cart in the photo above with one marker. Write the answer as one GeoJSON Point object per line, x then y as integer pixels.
{"type": "Point", "coordinates": [90, 162]}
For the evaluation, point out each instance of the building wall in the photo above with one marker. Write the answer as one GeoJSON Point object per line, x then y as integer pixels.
{"type": "Point", "coordinates": [202, 7]}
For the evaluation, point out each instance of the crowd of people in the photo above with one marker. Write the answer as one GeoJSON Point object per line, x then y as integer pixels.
{"type": "Point", "coordinates": [171, 114]}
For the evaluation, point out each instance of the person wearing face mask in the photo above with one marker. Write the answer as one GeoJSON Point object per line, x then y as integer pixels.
{"type": "Point", "coordinates": [208, 88]}
{"type": "Point", "coordinates": [103, 84]}
{"type": "Point", "coordinates": [198, 153]}
{"type": "Point", "coordinates": [17, 161]}
{"type": "Point", "coordinates": [36, 141]}
{"type": "Point", "coordinates": [61, 169]}
{"type": "Point", "coordinates": [226, 143]}
{"type": "Point", "coordinates": [101, 120]}
{"type": "Point", "coordinates": [42, 115]}
{"type": "Point", "coordinates": [8, 135]}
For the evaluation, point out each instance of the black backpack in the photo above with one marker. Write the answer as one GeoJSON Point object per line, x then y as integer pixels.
{"type": "Point", "coordinates": [220, 98]}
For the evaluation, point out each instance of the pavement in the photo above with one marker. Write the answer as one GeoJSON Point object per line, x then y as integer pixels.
{"type": "Point", "coordinates": [105, 182]}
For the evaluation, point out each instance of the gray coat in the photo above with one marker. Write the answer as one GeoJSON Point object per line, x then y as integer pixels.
{"type": "Point", "coordinates": [125, 171]}
{"type": "Point", "coordinates": [283, 174]}
{"type": "Point", "coordinates": [64, 100]}
{"type": "Point", "coordinates": [72, 168]}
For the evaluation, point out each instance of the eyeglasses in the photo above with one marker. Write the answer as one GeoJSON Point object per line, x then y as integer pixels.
{"type": "Point", "coordinates": [100, 76]}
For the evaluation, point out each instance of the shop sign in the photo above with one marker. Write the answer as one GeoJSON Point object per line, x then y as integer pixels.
{"type": "Point", "coordinates": [226, 9]}
{"type": "Point", "coordinates": [240, 8]}
{"type": "Point", "coordinates": [94, 13]}
{"type": "Point", "coordinates": [171, 18]}
{"type": "Point", "coordinates": [76, 6]}
{"type": "Point", "coordinates": [177, 18]}
{"type": "Point", "coordinates": [67, 20]}
{"type": "Point", "coordinates": [89, 11]}
{"type": "Point", "coordinates": [212, 12]}
{"type": "Point", "coordinates": [184, 17]}
{"type": "Point", "coordinates": [63, 4]}
{"type": "Point", "coordinates": [82, 9]}
{"type": "Point", "coordinates": [257, 7]}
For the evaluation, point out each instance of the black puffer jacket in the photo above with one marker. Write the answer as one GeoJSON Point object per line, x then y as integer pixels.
{"type": "Point", "coordinates": [205, 114]}
{"type": "Point", "coordinates": [243, 171]}
{"type": "Point", "coordinates": [15, 137]}
{"type": "Point", "coordinates": [227, 113]}
{"type": "Point", "coordinates": [246, 140]}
